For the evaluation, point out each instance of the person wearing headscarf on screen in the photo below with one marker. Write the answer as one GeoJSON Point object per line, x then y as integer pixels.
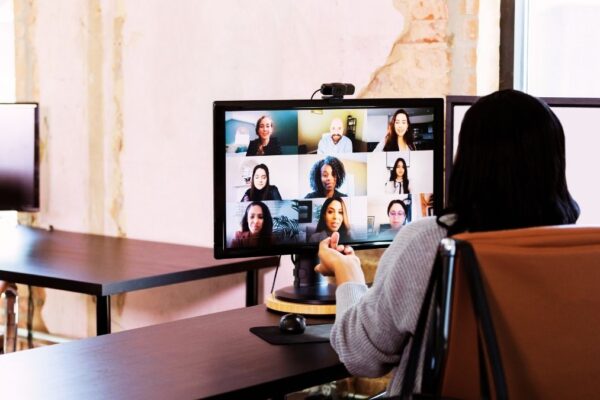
{"type": "Point", "coordinates": [326, 176]}
{"type": "Point", "coordinates": [265, 144]}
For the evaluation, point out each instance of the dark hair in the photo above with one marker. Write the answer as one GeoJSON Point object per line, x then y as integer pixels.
{"type": "Point", "coordinates": [262, 193]}
{"type": "Point", "coordinates": [258, 123]}
{"type": "Point", "coordinates": [391, 142]}
{"type": "Point", "coordinates": [344, 228]}
{"type": "Point", "coordinates": [266, 232]}
{"type": "Point", "coordinates": [337, 169]}
{"type": "Point", "coordinates": [393, 174]}
{"type": "Point", "coordinates": [509, 170]}
{"type": "Point", "coordinates": [398, 202]}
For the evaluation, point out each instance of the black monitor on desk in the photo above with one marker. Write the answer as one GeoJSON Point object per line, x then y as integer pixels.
{"type": "Point", "coordinates": [302, 184]}
{"type": "Point", "coordinates": [19, 174]}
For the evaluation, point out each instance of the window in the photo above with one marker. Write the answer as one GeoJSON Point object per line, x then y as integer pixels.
{"type": "Point", "coordinates": [555, 47]}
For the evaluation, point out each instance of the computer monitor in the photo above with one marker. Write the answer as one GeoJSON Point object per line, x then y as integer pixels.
{"type": "Point", "coordinates": [19, 177]}
{"type": "Point", "coordinates": [322, 170]}
{"type": "Point", "coordinates": [578, 117]}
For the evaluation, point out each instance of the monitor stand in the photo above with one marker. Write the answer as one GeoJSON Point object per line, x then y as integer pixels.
{"type": "Point", "coordinates": [311, 292]}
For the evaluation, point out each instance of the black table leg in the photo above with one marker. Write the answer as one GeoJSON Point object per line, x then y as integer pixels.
{"type": "Point", "coordinates": [102, 315]}
{"type": "Point", "coordinates": [251, 288]}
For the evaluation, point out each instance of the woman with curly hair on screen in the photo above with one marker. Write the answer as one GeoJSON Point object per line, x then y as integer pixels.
{"type": "Point", "coordinates": [326, 176]}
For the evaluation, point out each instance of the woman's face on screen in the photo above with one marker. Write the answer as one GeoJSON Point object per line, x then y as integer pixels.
{"type": "Point", "coordinates": [397, 216]}
{"type": "Point", "coordinates": [255, 219]}
{"type": "Point", "coordinates": [399, 170]}
{"type": "Point", "coordinates": [334, 216]}
{"type": "Point", "coordinates": [265, 128]}
{"type": "Point", "coordinates": [260, 178]}
{"type": "Point", "coordinates": [400, 124]}
{"type": "Point", "coordinates": [328, 179]}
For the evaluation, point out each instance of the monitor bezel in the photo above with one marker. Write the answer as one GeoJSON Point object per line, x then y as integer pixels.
{"type": "Point", "coordinates": [35, 204]}
{"type": "Point", "coordinates": [219, 157]}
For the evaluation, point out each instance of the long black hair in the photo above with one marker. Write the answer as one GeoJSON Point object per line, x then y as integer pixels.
{"type": "Point", "coordinates": [344, 230]}
{"type": "Point", "coordinates": [393, 174]}
{"type": "Point", "coordinates": [266, 232]}
{"type": "Point", "coordinates": [509, 170]}
{"type": "Point", "coordinates": [259, 194]}
{"type": "Point", "coordinates": [391, 140]}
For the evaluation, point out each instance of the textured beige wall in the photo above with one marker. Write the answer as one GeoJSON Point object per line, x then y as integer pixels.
{"type": "Point", "coordinates": [126, 88]}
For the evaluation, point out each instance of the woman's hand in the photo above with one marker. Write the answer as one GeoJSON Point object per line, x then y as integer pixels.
{"type": "Point", "coordinates": [339, 261]}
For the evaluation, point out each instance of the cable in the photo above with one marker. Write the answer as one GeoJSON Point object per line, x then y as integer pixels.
{"type": "Point", "coordinates": [315, 92]}
{"type": "Point", "coordinates": [275, 277]}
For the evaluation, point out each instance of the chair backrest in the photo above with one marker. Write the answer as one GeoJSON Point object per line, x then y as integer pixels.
{"type": "Point", "coordinates": [542, 289]}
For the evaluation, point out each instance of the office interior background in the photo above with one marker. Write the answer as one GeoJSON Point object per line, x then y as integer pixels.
{"type": "Point", "coordinates": [126, 89]}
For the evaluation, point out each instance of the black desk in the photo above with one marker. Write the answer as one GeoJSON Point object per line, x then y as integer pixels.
{"type": "Point", "coordinates": [102, 266]}
{"type": "Point", "coordinates": [212, 356]}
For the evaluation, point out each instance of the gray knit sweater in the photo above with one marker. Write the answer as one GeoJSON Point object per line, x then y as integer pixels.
{"type": "Point", "coordinates": [373, 327]}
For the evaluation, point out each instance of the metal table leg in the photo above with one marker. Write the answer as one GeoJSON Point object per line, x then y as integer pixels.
{"type": "Point", "coordinates": [102, 315]}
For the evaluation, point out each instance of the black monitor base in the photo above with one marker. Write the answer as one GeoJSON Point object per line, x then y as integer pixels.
{"type": "Point", "coordinates": [321, 294]}
{"type": "Point", "coordinates": [309, 287]}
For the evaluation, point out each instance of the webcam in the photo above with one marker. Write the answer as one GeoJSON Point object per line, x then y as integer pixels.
{"type": "Point", "coordinates": [336, 90]}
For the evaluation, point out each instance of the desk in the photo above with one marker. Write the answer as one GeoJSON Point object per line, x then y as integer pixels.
{"type": "Point", "coordinates": [212, 356]}
{"type": "Point", "coordinates": [102, 266]}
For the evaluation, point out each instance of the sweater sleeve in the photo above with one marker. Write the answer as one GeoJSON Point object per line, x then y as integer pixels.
{"type": "Point", "coordinates": [372, 327]}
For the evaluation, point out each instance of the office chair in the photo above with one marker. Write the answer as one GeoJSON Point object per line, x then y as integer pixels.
{"type": "Point", "coordinates": [515, 314]}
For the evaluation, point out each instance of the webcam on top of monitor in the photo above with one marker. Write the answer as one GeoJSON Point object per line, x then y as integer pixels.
{"type": "Point", "coordinates": [334, 91]}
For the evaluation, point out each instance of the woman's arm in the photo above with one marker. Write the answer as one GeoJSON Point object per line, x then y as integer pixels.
{"type": "Point", "coordinates": [373, 327]}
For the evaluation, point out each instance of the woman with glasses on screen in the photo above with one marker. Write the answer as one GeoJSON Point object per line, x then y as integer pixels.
{"type": "Point", "coordinates": [398, 182]}
{"type": "Point", "coordinates": [398, 136]}
{"type": "Point", "coordinates": [260, 186]}
{"type": "Point", "coordinates": [509, 172]}
{"type": "Point", "coordinates": [265, 144]}
{"type": "Point", "coordinates": [333, 218]}
{"type": "Point", "coordinates": [257, 227]}
{"type": "Point", "coordinates": [397, 212]}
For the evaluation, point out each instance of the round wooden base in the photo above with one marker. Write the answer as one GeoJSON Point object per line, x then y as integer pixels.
{"type": "Point", "coordinates": [300, 308]}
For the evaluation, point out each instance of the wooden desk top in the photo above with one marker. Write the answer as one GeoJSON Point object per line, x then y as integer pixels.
{"type": "Point", "coordinates": [212, 356]}
{"type": "Point", "coordinates": [103, 265]}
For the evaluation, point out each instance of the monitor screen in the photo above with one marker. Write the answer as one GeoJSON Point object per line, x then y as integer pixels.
{"type": "Point", "coordinates": [289, 172]}
{"type": "Point", "coordinates": [19, 181]}
{"type": "Point", "coordinates": [578, 117]}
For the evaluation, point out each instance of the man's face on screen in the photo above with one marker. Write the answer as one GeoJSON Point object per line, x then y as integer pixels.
{"type": "Point", "coordinates": [336, 129]}
{"type": "Point", "coordinates": [255, 219]}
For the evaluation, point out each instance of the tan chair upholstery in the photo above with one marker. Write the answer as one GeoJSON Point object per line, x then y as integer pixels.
{"type": "Point", "coordinates": [541, 289]}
